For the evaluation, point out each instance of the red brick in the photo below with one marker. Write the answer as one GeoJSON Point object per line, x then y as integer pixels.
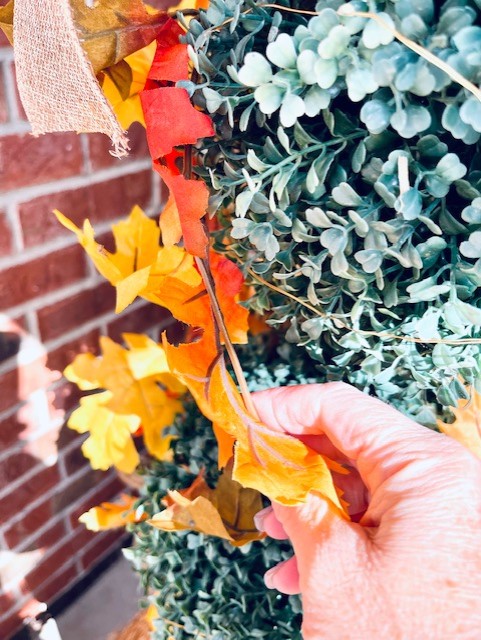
{"type": "Point", "coordinates": [25, 160]}
{"type": "Point", "coordinates": [139, 320]}
{"type": "Point", "coordinates": [64, 398]}
{"type": "Point", "coordinates": [12, 623]}
{"type": "Point", "coordinates": [9, 387]}
{"type": "Point", "coordinates": [66, 437]}
{"type": "Point", "coordinates": [100, 145]}
{"type": "Point", "coordinates": [105, 493]}
{"type": "Point", "coordinates": [98, 202]}
{"type": "Point", "coordinates": [69, 313]}
{"type": "Point", "coordinates": [73, 492]}
{"type": "Point", "coordinates": [6, 242]}
{"type": "Point", "coordinates": [16, 465]}
{"type": "Point", "coordinates": [10, 429]}
{"type": "Point", "coordinates": [21, 111]}
{"type": "Point", "coordinates": [3, 99]}
{"type": "Point", "coordinates": [30, 522]}
{"type": "Point", "coordinates": [75, 459]}
{"type": "Point", "coordinates": [38, 277]}
{"type": "Point", "coordinates": [51, 589]}
{"type": "Point", "coordinates": [6, 602]}
{"type": "Point", "coordinates": [50, 563]}
{"type": "Point", "coordinates": [33, 488]}
{"type": "Point", "coordinates": [48, 538]}
{"type": "Point", "coordinates": [3, 38]}
{"type": "Point", "coordinates": [107, 542]}
{"type": "Point", "coordinates": [61, 357]}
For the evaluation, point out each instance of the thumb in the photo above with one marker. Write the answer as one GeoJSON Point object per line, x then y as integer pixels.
{"type": "Point", "coordinates": [329, 551]}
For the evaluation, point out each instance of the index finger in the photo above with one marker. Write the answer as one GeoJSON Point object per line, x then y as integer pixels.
{"type": "Point", "coordinates": [378, 438]}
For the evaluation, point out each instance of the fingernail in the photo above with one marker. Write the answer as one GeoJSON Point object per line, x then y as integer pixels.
{"type": "Point", "coordinates": [260, 517]}
{"type": "Point", "coordinates": [271, 574]}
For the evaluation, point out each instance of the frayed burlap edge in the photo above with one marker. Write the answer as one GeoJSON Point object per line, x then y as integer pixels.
{"type": "Point", "coordinates": [57, 86]}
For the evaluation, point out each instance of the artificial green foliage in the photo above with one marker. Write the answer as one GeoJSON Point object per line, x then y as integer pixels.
{"type": "Point", "coordinates": [312, 115]}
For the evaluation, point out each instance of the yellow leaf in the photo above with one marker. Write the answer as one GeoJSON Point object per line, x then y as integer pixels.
{"type": "Point", "coordinates": [83, 372]}
{"type": "Point", "coordinates": [125, 100]}
{"type": "Point", "coordinates": [111, 515]}
{"type": "Point", "coordinates": [110, 442]}
{"type": "Point", "coordinates": [136, 241]}
{"type": "Point", "coordinates": [190, 4]}
{"type": "Point", "coordinates": [225, 512]}
{"type": "Point", "coordinates": [151, 614]}
{"type": "Point", "coordinates": [138, 266]}
{"type": "Point", "coordinates": [141, 391]}
{"type": "Point", "coordinates": [466, 427]}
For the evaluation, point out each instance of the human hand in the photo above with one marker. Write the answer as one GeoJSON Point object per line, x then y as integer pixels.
{"type": "Point", "coordinates": [409, 566]}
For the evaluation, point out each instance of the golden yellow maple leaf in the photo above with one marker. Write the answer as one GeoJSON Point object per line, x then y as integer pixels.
{"type": "Point", "coordinates": [112, 515]}
{"type": "Point", "coordinates": [122, 90]}
{"type": "Point", "coordinates": [139, 266]}
{"type": "Point", "coordinates": [466, 427]}
{"type": "Point", "coordinates": [110, 441]}
{"type": "Point", "coordinates": [226, 512]}
{"type": "Point", "coordinates": [140, 391]}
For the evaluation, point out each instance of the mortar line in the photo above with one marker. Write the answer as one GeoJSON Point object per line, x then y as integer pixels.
{"type": "Point", "coordinates": [25, 194]}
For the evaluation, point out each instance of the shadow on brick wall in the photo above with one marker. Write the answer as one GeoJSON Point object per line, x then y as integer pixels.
{"type": "Point", "coordinates": [45, 484]}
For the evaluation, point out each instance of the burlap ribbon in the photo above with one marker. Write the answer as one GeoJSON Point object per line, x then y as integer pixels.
{"type": "Point", "coordinates": [57, 86]}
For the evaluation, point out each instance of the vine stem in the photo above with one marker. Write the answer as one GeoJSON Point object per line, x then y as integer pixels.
{"type": "Point", "coordinates": [204, 270]}
{"type": "Point", "coordinates": [363, 332]}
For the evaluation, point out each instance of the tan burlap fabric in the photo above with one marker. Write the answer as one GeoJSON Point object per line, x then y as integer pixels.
{"type": "Point", "coordinates": [57, 86]}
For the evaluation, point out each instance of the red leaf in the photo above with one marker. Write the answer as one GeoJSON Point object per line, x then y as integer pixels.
{"type": "Point", "coordinates": [172, 120]}
{"type": "Point", "coordinates": [227, 275]}
{"type": "Point", "coordinates": [170, 63]}
{"type": "Point", "coordinates": [191, 198]}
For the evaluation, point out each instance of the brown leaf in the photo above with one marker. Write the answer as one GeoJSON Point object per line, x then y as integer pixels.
{"type": "Point", "coordinates": [226, 512]}
{"type": "Point", "coordinates": [113, 29]}
{"type": "Point", "coordinates": [6, 20]}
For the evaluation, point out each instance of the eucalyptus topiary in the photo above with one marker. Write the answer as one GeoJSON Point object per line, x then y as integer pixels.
{"type": "Point", "coordinates": [346, 174]}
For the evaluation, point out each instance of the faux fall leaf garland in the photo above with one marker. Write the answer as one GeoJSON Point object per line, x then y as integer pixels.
{"type": "Point", "coordinates": [170, 264]}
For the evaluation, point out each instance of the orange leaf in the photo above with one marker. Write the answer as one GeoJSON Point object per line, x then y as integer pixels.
{"type": "Point", "coordinates": [199, 487]}
{"type": "Point", "coordinates": [169, 224]}
{"type": "Point", "coordinates": [172, 120]}
{"type": "Point", "coordinates": [466, 428]}
{"type": "Point", "coordinates": [111, 515]}
{"type": "Point", "coordinates": [265, 460]}
{"type": "Point", "coordinates": [191, 199]}
{"type": "Point", "coordinates": [191, 305]}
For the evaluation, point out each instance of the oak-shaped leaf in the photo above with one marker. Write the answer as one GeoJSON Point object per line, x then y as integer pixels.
{"type": "Point", "coordinates": [140, 391]}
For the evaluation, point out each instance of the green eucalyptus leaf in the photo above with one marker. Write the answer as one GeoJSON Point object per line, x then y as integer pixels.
{"type": "Point", "coordinates": [409, 204]}
{"type": "Point", "coordinates": [345, 195]}
{"type": "Point", "coordinates": [255, 71]}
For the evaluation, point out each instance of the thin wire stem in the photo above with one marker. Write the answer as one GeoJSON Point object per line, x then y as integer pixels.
{"type": "Point", "coordinates": [363, 332]}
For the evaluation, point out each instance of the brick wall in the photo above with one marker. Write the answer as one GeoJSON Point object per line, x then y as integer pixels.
{"type": "Point", "coordinates": [53, 305]}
